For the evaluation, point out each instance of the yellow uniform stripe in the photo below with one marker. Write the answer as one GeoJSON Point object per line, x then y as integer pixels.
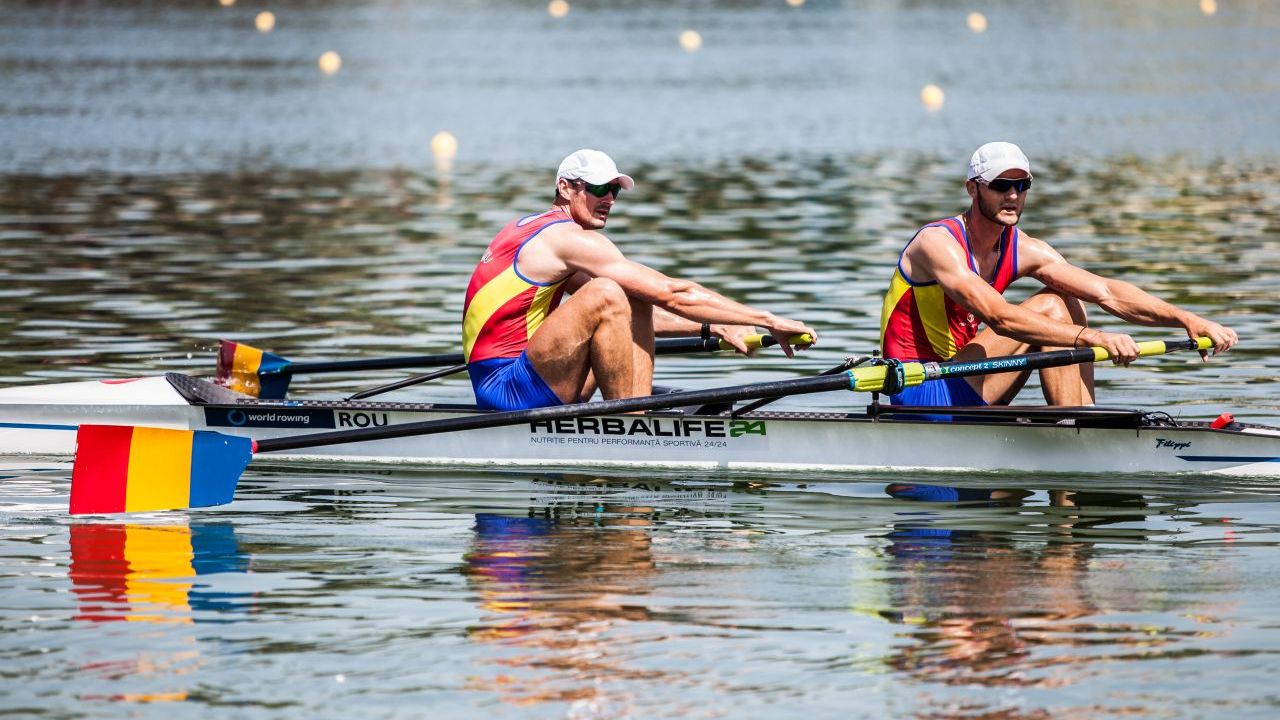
{"type": "Point", "coordinates": [897, 288]}
{"type": "Point", "coordinates": [159, 470]}
{"type": "Point", "coordinates": [540, 308]}
{"type": "Point", "coordinates": [931, 303]}
{"type": "Point", "coordinates": [495, 293]}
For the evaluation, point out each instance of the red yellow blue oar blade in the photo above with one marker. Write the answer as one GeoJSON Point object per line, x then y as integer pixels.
{"type": "Point", "coordinates": [134, 469]}
{"type": "Point", "coordinates": [251, 371]}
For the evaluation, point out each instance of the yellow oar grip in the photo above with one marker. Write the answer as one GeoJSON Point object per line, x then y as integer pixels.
{"type": "Point", "coordinates": [755, 342]}
{"type": "Point", "coordinates": [871, 378]}
{"type": "Point", "coordinates": [1151, 347]}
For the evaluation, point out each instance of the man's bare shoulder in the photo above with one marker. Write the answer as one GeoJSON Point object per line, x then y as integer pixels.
{"type": "Point", "coordinates": [570, 233]}
{"type": "Point", "coordinates": [576, 246]}
{"type": "Point", "coordinates": [934, 243]}
{"type": "Point", "coordinates": [1034, 253]}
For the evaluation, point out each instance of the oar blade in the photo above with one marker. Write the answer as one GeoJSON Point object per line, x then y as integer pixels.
{"type": "Point", "coordinates": [135, 469]}
{"type": "Point", "coordinates": [251, 371]}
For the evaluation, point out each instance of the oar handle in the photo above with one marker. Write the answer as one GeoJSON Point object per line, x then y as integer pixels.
{"type": "Point", "coordinates": [755, 342]}
{"type": "Point", "coordinates": [872, 379]}
{"type": "Point", "coordinates": [675, 346]}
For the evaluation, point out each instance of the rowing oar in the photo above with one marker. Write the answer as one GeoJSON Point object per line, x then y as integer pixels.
{"type": "Point", "coordinates": [668, 346]}
{"type": "Point", "coordinates": [262, 374]}
{"type": "Point", "coordinates": [128, 469]}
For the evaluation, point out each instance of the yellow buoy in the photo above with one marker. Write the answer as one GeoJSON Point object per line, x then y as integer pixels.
{"type": "Point", "coordinates": [558, 9]}
{"type": "Point", "coordinates": [795, 3]}
{"type": "Point", "coordinates": [330, 62]}
{"type": "Point", "coordinates": [444, 147]}
{"type": "Point", "coordinates": [265, 22]}
{"type": "Point", "coordinates": [932, 97]}
{"type": "Point", "coordinates": [977, 22]}
{"type": "Point", "coordinates": [1209, 7]}
{"type": "Point", "coordinates": [690, 40]}
{"type": "Point", "coordinates": [227, 3]}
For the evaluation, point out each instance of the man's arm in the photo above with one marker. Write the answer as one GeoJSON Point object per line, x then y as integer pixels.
{"type": "Point", "coordinates": [1122, 299]}
{"type": "Point", "coordinates": [592, 253]}
{"type": "Point", "coordinates": [935, 255]}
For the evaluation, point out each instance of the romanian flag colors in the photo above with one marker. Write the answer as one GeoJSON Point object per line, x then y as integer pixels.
{"type": "Point", "coordinates": [135, 572]}
{"type": "Point", "coordinates": [251, 371]}
{"type": "Point", "coordinates": [136, 469]}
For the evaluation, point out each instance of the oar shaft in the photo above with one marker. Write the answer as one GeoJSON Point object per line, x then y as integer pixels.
{"type": "Point", "coordinates": [387, 363]}
{"type": "Point", "coordinates": [799, 386]}
{"type": "Point", "coordinates": [664, 346]}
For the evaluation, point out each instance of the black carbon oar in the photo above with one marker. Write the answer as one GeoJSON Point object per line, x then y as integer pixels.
{"type": "Point", "coordinates": [104, 466]}
{"type": "Point", "coordinates": [266, 375]}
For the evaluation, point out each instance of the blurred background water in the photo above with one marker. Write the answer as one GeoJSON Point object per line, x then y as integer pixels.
{"type": "Point", "coordinates": [171, 174]}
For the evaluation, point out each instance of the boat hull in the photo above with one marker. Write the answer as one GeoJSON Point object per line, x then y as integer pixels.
{"type": "Point", "coordinates": [760, 442]}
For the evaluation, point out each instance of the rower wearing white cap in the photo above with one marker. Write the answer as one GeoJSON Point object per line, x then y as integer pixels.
{"type": "Point", "coordinates": [951, 276]}
{"type": "Point", "coordinates": [526, 349]}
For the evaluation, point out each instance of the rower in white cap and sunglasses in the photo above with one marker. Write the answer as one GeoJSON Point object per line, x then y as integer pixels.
{"type": "Point", "coordinates": [949, 281]}
{"type": "Point", "coordinates": [525, 348]}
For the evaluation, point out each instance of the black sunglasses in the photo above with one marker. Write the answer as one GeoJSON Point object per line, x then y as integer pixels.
{"type": "Point", "coordinates": [602, 190]}
{"type": "Point", "coordinates": [1002, 185]}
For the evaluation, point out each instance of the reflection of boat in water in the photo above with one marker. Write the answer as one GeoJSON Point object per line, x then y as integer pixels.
{"type": "Point", "coordinates": [565, 496]}
{"type": "Point", "coordinates": [139, 573]}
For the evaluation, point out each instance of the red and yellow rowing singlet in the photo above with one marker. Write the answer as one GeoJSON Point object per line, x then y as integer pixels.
{"type": "Point", "coordinates": [919, 322]}
{"type": "Point", "coordinates": [503, 308]}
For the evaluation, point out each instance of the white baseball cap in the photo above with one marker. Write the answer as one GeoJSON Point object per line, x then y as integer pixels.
{"type": "Point", "coordinates": [594, 167]}
{"type": "Point", "coordinates": [995, 158]}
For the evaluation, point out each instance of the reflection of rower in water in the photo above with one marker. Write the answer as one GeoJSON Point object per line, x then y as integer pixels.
{"type": "Point", "coordinates": [560, 587]}
{"type": "Point", "coordinates": [988, 607]}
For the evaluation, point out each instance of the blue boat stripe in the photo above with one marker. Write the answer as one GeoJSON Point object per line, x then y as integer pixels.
{"type": "Point", "coordinates": [34, 426]}
{"type": "Point", "coordinates": [1228, 458]}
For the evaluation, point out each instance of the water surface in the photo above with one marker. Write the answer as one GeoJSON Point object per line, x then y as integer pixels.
{"type": "Point", "coordinates": [171, 176]}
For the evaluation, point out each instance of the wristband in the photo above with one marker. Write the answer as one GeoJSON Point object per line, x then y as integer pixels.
{"type": "Point", "coordinates": [1076, 343]}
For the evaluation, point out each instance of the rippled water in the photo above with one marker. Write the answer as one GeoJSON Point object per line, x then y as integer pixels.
{"type": "Point", "coordinates": [554, 596]}
{"type": "Point", "coordinates": [173, 176]}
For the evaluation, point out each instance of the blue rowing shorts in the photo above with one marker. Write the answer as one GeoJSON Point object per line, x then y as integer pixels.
{"type": "Point", "coordinates": [943, 392]}
{"type": "Point", "coordinates": [509, 384]}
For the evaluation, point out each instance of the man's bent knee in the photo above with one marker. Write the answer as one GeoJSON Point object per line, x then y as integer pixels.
{"type": "Point", "coordinates": [604, 291]}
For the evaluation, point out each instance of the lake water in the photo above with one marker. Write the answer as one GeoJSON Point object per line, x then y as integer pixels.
{"type": "Point", "coordinates": [172, 176]}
